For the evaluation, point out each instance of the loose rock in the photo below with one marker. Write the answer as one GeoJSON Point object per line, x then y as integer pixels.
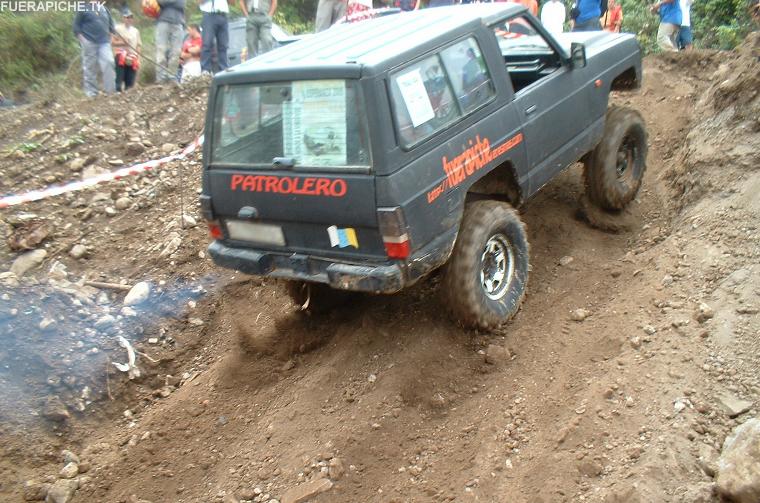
{"type": "Point", "coordinates": [496, 354]}
{"type": "Point", "coordinates": [739, 464]}
{"type": "Point", "coordinates": [579, 314]}
{"type": "Point", "coordinates": [78, 251]}
{"type": "Point", "coordinates": [69, 471]}
{"type": "Point", "coordinates": [732, 405]}
{"type": "Point", "coordinates": [306, 491]}
{"type": "Point", "coordinates": [138, 294]}
{"type": "Point", "coordinates": [704, 313]}
{"type": "Point", "coordinates": [35, 491]}
{"type": "Point", "coordinates": [27, 262]}
{"type": "Point", "coordinates": [62, 491]}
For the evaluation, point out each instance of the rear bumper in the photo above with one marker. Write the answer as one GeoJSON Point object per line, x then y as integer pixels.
{"type": "Point", "coordinates": [386, 277]}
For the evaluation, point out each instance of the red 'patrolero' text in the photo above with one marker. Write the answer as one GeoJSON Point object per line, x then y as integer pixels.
{"type": "Point", "coordinates": [306, 186]}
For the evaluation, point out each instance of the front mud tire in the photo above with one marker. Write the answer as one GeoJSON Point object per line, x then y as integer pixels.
{"type": "Point", "coordinates": [613, 171]}
{"type": "Point", "coordinates": [485, 279]}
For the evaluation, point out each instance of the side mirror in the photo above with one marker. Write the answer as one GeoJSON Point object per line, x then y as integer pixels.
{"type": "Point", "coordinates": [577, 55]}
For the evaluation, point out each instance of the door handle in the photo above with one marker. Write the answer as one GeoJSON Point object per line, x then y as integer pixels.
{"type": "Point", "coordinates": [530, 109]}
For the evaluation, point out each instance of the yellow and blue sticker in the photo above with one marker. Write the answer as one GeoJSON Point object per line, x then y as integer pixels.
{"type": "Point", "coordinates": [342, 238]}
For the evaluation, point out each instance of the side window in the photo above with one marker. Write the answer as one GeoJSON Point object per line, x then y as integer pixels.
{"type": "Point", "coordinates": [527, 55]}
{"type": "Point", "coordinates": [469, 74]}
{"type": "Point", "coordinates": [422, 100]}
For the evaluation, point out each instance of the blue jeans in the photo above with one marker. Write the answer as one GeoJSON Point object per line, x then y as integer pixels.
{"type": "Point", "coordinates": [592, 24]}
{"type": "Point", "coordinates": [94, 57]}
{"type": "Point", "coordinates": [684, 37]}
{"type": "Point", "coordinates": [215, 28]}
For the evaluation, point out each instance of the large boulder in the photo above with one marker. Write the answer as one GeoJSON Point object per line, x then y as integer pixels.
{"type": "Point", "coordinates": [739, 464]}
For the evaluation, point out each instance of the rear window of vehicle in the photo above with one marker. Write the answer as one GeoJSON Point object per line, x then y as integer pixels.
{"type": "Point", "coordinates": [314, 123]}
{"type": "Point", "coordinates": [433, 93]}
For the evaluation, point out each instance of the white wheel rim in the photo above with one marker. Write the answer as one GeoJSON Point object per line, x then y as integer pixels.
{"type": "Point", "coordinates": [497, 267]}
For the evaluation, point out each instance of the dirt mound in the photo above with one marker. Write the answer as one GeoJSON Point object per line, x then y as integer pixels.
{"type": "Point", "coordinates": [725, 144]}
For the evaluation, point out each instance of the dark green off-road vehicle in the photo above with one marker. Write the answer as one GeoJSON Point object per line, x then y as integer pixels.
{"type": "Point", "coordinates": [367, 156]}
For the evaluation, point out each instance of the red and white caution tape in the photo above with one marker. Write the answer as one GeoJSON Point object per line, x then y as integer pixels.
{"type": "Point", "coordinates": [36, 195]}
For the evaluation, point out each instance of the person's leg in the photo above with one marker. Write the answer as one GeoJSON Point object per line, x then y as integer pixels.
{"type": "Point", "coordinates": [222, 40]}
{"type": "Point", "coordinates": [251, 35]}
{"type": "Point", "coordinates": [106, 64]}
{"type": "Point", "coordinates": [665, 34]}
{"type": "Point", "coordinates": [89, 63]}
{"type": "Point", "coordinates": [162, 49]}
{"type": "Point", "coordinates": [120, 77]}
{"type": "Point", "coordinates": [207, 32]}
{"type": "Point", "coordinates": [175, 49]}
{"type": "Point", "coordinates": [266, 40]}
{"type": "Point", "coordinates": [339, 10]}
{"type": "Point", "coordinates": [130, 75]}
{"type": "Point", "coordinates": [324, 15]}
{"type": "Point", "coordinates": [685, 39]}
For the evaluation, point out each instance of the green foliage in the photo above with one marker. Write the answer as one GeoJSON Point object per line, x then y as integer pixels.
{"type": "Point", "coordinates": [34, 45]}
{"type": "Point", "coordinates": [637, 19]}
{"type": "Point", "coordinates": [296, 16]}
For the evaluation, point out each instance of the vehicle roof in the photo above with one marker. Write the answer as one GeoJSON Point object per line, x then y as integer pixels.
{"type": "Point", "coordinates": [374, 42]}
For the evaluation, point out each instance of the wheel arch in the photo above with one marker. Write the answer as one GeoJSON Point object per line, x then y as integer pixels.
{"type": "Point", "coordinates": [626, 80]}
{"type": "Point", "coordinates": [501, 183]}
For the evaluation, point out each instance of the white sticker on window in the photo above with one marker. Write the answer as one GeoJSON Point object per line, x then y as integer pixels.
{"type": "Point", "coordinates": [314, 123]}
{"type": "Point", "coordinates": [415, 97]}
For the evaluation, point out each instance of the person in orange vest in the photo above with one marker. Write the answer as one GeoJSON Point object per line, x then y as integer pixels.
{"type": "Point", "coordinates": [532, 6]}
{"type": "Point", "coordinates": [127, 45]}
{"type": "Point", "coordinates": [613, 18]}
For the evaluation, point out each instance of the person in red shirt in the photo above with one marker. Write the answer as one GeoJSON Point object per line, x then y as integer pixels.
{"type": "Point", "coordinates": [191, 53]}
{"type": "Point", "coordinates": [613, 18]}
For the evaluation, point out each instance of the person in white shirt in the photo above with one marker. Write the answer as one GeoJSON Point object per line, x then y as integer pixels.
{"type": "Point", "coordinates": [214, 27]}
{"type": "Point", "coordinates": [684, 39]}
{"type": "Point", "coordinates": [553, 16]}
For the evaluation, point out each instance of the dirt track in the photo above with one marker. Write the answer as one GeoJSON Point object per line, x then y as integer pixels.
{"type": "Point", "coordinates": [388, 397]}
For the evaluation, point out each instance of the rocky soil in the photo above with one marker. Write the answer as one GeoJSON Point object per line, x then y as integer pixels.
{"type": "Point", "coordinates": [133, 370]}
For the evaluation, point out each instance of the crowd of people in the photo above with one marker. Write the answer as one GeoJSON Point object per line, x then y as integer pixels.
{"type": "Point", "coordinates": [115, 49]}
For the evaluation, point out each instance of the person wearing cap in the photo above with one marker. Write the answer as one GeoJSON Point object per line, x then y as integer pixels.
{"type": "Point", "coordinates": [127, 46]}
{"type": "Point", "coordinates": [214, 28]}
{"type": "Point", "coordinates": [93, 26]}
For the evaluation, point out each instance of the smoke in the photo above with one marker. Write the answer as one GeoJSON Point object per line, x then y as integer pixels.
{"type": "Point", "coordinates": [59, 341]}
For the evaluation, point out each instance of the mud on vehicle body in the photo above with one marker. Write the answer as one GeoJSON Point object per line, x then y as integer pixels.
{"type": "Point", "coordinates": [371, 154]}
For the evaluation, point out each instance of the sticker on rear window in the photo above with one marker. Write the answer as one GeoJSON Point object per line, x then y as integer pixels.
{"type": "Point", "coordinates": [415, 97]}
{"type": "Point", "coordinates": [314, 123]}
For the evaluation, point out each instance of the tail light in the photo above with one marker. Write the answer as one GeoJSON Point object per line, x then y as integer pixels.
{"type": "Point", "coordinates": [215, 230]}
{"type": "Point", "coordinates": [395, 232]}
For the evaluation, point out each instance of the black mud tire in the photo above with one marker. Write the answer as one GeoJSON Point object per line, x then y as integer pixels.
{"type": "Point", "coordinates": [613, 171]}
{"type": "Point", "coordinates": [488, 228]}
{"type": "Point", "coordinates": [316, 298]}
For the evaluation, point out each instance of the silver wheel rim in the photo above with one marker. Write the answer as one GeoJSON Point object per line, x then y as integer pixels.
{"type": "Point", "coordinates": [497, 266]}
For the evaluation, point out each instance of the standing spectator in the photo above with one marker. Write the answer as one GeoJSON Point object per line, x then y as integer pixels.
{"type": "Point", "coordinates": [613, 18]}
{"type": "Point", "coordinates": [127, 46]}
{"type": "Point", "coordinates": [329, 11]}
{"type": "Point", "coordinates": [553, 16]}
{"type": "Point", "coordinates": [670, 23]}
{"type": "Point", "coordinates": [214, 28]}
{"type": "Point", "coordinates": [93, 26]}
{"type": "Point", "coordinates": [191, 53]}
{"type": "Point", "coordinates": [406, 5]}
{"type": "Point", "coordinates": [258, 25]}
{"type": "Point", "coordinates": [532, 6]}
{"type": "Point", "coordinates": [586, 14]}
{"type": "Point", "coordinates": [685, 39]}
{"type": "Point", "coordinates": [170, 28]}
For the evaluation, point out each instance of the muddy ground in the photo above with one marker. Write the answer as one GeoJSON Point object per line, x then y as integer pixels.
{"type": "Point", "coordinates": [633, 357]}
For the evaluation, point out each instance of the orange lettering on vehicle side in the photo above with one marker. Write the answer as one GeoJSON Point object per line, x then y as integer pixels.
{"type": "Point", "coordinates": [475, 155]}
{"type": "Point", "coordinates": [338, 187]}
{"type": "Point", "coordinates": [235, 181]}
{"type": "Point", "coordinates": [323, 187]}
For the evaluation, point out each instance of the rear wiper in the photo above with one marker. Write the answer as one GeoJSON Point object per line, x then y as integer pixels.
{"type": "Point", "coordinates": [283, 162]}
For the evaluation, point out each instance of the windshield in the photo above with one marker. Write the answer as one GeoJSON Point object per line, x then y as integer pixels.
{"type": "Point", "coordinates": [306, 123]}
